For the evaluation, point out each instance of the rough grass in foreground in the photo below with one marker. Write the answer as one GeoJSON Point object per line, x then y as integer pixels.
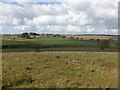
{"type": "Point", "coordinates": [60, 70]}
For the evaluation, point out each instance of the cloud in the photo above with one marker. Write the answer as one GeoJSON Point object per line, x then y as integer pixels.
{"type": "Point", "coordinates": [49, 9]}
{"type": "Point", "coordinates": [22, 28]}
{"type": "Point", "coordinates": [73, 29]}
{"type": "Point", "coordinates": [64, 17]}
{"type": "Point", "coordinates": [104, 10]}
{"type": "Point", "coordinates": [9, 21]}
{"type": "Point", "coordinates": [44, 20]}
{"type": "Point", "coordinates": [70, 18]}
{"type": "Point", "coordinates": [78, 5]}
{"type": "Point", "coordinates": [89, 29]}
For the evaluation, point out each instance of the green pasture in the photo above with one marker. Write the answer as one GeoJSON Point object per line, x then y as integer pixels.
{"type": "Point", "coordinates": [54, 44]}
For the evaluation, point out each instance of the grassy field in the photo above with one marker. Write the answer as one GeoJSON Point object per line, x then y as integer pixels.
{"type": "Point", "coordinates": [53, 44]}
{"type": "Point", "coordinates": [88, 37]}
{"type": "Point", "coordinates": [49, 62]}
{"type": "Point", "coordinates": [60, 70]}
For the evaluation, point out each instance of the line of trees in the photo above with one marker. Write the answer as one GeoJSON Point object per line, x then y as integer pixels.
{"type": "Point", "coordinates": [25, 35]}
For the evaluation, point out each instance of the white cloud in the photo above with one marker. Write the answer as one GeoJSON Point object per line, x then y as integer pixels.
{"type": "Point", "coordinates": [44, 20]}
{"type": "Point", "coordinates": [89, 29]}
{"type": "Point", "coordinates": [51, 29]}
{"type": "Point", "coordinates": [67, 19]}
{"type": "Point", "coordinates": [22, 28]}
{"type": "Point", "coordinates": [49, 9]}
{"type": "Point", "coordinates": [114, 31]}
{"type": "Point", "coordinates": [73, 29]}
{"type": "Point", "coordinates": [9, 21]}
{"type": "Point", "coordinates": [105, 10]}
{"type": "Point", "coordinates": [78, 5]}
{"type": "Point", "coordinates": [68, 16]}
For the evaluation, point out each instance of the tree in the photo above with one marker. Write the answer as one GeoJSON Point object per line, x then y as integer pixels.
{"type": "Point", "coordinates": [64, 36]}
{"type": "Point", "coordinates": [98, 40]}
{"type": "Point", "coordinates": [104, 44]}
{"type": "Point", "coordinates": [77, 38]}
{"type": "Point", "coordinates": [25, 35]}
{"type": "Point", "coordinates": [91, 39]}
{"type": "Point", "coordinates": [81, 38]}
{"type": "Point", "coordinates": [31, 33]}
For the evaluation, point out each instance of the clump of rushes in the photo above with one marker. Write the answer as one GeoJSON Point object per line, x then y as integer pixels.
{"type": "Point", "coordinates": [28, 68]}
{"type": "Point", "coordinates": [57, 56]}
{"type": "Point", "coordinates": [92, 70]}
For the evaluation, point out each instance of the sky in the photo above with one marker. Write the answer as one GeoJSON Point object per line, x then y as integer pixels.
{"type": "Point", "coordinates": [59, 16]}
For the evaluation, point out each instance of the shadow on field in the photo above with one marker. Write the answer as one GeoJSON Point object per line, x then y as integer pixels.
{"type": "Point", "coordinates": [36, 45]}
{"type": "Point", "coordinates": [42, 48]}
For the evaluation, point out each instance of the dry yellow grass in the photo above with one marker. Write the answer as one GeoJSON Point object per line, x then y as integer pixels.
{"type": "Point", "coordinates": [87, 37]}
{"type": "Point", "coordinates": [60, 70]}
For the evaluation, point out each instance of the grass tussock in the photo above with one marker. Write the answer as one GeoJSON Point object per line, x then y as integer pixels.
{"type": "Point", "coordinates": [72, 70]}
